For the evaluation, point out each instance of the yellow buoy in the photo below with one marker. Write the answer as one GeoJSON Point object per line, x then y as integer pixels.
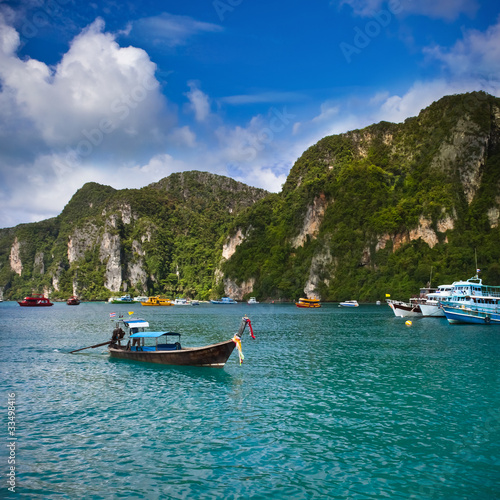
{"type": "Point", "coordinates": [408, 323]}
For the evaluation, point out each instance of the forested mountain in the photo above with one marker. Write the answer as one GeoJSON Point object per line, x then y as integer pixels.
{"type": "Point", "coordinates": [361, 214]}
{"type": "Point", "coordinates": [372, 211]}
{"type": "Point", "coordinates": [164, 238]}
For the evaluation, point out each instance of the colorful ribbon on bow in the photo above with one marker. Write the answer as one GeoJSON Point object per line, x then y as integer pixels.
{"type": "Point", "coordinates": [237, 341]}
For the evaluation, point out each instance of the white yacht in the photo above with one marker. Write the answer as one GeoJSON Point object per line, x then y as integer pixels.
{"type": "Point", "coordinates": [431, 306]}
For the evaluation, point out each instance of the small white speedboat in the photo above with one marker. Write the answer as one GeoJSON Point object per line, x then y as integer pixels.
{"type": "Point", "coordinates": [349, 303]}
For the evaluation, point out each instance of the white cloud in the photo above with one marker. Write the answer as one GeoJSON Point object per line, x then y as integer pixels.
{"type": "Point", "coordinates": [397, 108]}
{"type": "Point", "coordinates": [98, 89]}
{"type": "Point", "coordinates": [328, 112]}
{"type": "Point", "coordinates": [159, 166]}
{"type": "Point", "coordinates": [268, 178]}
{"type": "Point", "coordinates": [260, 153]}
{"type": "Point", "coordinates": [39, 190]}
{"type": "Point", "coordinates": [182, 136]}
{"type": "Point", "coordinates": [272, 97]}
{"type": "Point", "coordinates": [9, 38]}
{"type": "Point", "coordinates": [170, 30]}
{"type": "Point", "coordinates": [448, 10]}
{"type": "Point", "coordinates": [477, 54]}
{"type": "Point", "coordinates": [199, 102]}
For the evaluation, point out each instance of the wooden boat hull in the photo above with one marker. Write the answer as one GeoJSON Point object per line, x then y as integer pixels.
{"type": "Point", "coordinates": [214, 355]}
{"type": "Point", "coordinates": [308, 306]}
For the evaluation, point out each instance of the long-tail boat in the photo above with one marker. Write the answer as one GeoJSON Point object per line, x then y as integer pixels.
{"type": "Point", "coordinates": [165, 347]}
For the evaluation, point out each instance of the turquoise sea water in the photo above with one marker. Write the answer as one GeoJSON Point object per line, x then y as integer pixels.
{"type": "Point", "coordinates": [328, 403]}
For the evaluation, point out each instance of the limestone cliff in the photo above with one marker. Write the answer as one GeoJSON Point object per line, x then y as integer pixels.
{"type": "Point", "coordinates": [109, 253]}
{"type": "Point", "coordinates": [82, 240]}
{"type": "Point", "coordinates": [312, 221]}
{"type": "Point", "coordinates": [15, 259]}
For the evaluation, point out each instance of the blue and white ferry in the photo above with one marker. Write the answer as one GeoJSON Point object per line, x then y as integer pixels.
{"type": "Point", "coordinates": [472, 302]}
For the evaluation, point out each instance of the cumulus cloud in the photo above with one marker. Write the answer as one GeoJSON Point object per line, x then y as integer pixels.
{"type": "Point", "coordinates": [260, 153]}
{"type": "Point", "coordinates": [477, 54]}
{"type": "Point", "coordinates": [98, 89]}
{"type": "Point", "coordinates": [182, 136]}
{"type": "Point", "coordinates": [37, 190]}
{"type": "Point", "coordinates": [199, 102]}
{"type": "Point", "coordinates": [159, 166]}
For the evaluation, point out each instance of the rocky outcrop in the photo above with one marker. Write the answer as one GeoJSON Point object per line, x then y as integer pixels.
{"type": "Point", "coordinates": [56, 276]}
{"type": "Point", "coordinates": [237, 292]}
{"type": "Point", "coordinates": [15, 257]}
{"type": "Point", "coordinates": [135, 272]}
{"type": "Point", "coordinates": [126, 213]}
{"type": "Point", "coordinates": [318, 273]}
{"type": "Point", "coordinates": [81, 240]}
{"type": "Point", "coordinates": [231, 243]}
{"type": "Point", "coordinates": [423, 231]}
{"type": "Point", "coordinates": [312, 221]}
{"type": "Point", "coordinates": [137, 248]}
{"type": "Point", "coordinates": [137, 275]}
{"type": "Point", "coordinates": [465, 149]}
{"type": "Point", "coordinates": [493, 217]}
{"type": "Point", "coordinates": [38, 266]}
{"type": "Point", "coordinates": [109, 252]}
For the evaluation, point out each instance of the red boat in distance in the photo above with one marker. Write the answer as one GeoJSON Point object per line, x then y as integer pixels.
{"type": "Point", "coordinates": [37, 300]}
{"type": "Point", "coordinates": [73, 301]}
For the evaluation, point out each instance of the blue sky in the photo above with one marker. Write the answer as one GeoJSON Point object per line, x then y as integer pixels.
{"type": "Point", "coordinates": [125, 94]}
